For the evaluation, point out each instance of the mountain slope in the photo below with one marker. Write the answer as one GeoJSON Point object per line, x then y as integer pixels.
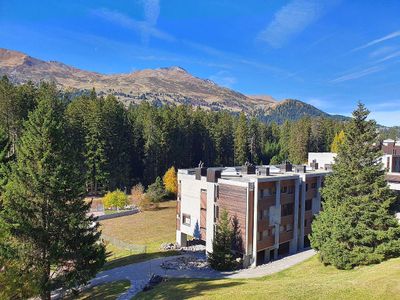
{"type": "Point", "coordinates": [161, 86]}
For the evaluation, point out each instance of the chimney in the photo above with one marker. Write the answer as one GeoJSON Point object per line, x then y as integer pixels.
{"type": "Point", "coordinates": [200, 171]}
{"type": "Point", "coordinates": [286, 167]}
{"type": "Point", "coordinates": [213, 174]}
{"type": "Point", "coordinates": [263, 171]}
{"type": "Point", "coordinates": [301, 169]}
{"type": "Point", "coordinates": [248, 168]}
{"type": "Point", "coordinates": [314, 164]}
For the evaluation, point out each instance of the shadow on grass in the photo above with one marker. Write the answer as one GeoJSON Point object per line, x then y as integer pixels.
{"type": "Point", "coordinates": [107, 291]}
{"type": "Point", "coordinates": [179, 289]}
{"type": "Point", "coordinates": [135, 258]}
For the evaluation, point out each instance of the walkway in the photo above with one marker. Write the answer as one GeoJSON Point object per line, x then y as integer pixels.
{"type": "Point", "coordinates": [139, 273]}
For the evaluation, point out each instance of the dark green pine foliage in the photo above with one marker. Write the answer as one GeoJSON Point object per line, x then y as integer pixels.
{"type": "Point", "coordinates": [222, 258]}
{"type": "Point", "coordinates": [356, 225]}
{"type": "Point", "coordinates": [94, 153]}
{"type": "Point", "coordinates": [54, 242]}
{"type": "Point", "coordinates": [241, 140]}
{"type": "Point", "coordinates": [4, 160]}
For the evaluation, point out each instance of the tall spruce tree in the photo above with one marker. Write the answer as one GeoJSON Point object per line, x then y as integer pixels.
{"type": "Point", "coordinates": [356, 225]}
{"type": "Point", "coordinates": [54, 243]}
{"type": "Point", "coordinates": [241, 141]}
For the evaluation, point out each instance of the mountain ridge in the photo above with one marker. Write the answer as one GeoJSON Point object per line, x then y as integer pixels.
{"type": "Point", "coordinates": [165, 85]}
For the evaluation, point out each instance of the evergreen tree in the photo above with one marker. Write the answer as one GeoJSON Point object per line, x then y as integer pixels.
{"type": "Point", "coordinates": [299, 141]}
{"type": "Point", "coordinates": [241, 141]}
{"type": "Point", "coordinates": [53, 242]}
{"type": "Point", "coordinates": [255, 137]}
{"type": "Point", "coordinates": [221, 258]}
{"type": "Point", "coordinates": [4, 160]}
{"type": "Point", "coordinates": [356, 225]}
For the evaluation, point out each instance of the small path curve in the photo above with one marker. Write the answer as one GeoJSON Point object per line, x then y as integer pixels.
{"type": "Point", "coordinates": [139, 273]}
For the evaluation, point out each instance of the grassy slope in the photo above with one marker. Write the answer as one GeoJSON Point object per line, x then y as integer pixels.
{"type": "Point", "coordinates": [150, 228]}
{"type": "Point", "coordinates": [308, 280]}
{"type": "Point", "coordinates": [108, 291]}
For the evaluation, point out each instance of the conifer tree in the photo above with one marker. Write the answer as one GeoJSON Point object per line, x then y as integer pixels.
{"type": "Point", "coordinates": [4, 159]}
{"type": "Point", "coordinates": [356, 225]}
{"type": "Point", "coordinates": [221, 258]}
{"type": "Point", "coordinates": [54, 243]}
{"type": "Point", "coordinates": [241, 141]}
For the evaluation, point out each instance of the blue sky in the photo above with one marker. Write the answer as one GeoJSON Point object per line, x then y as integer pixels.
{"type": "Point", "coordinates": [328, 53]}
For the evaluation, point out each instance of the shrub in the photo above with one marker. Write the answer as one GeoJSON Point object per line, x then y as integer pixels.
{"type": "Point", "coordinates": [116, 199]}
{"type": "Point", "coordinates": [137, 194]}
{"type": "Point", "coordinates": [155, 191]}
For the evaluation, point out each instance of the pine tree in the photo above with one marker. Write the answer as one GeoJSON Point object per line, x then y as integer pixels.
{"type": "Point", "coordinates": [241, 141]}
{"type": "Point", "coordinates": [4, 160]}
{"type": "Point", "coordinates": [221, 258]}
{"type": "Point", "coordinates": [55, 244]}
{"type": "Point", "coordinates": [338, 141]}
{"type": "Point", "coordinates": [356, 225]}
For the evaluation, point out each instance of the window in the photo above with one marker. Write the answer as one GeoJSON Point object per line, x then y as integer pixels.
{"type": "Point", "coordinates": [260, 236]}
{"type": "Point", "coordinates": [186, 219]}
{"type": "Point", "coordinates": [308, 204]}
{"type": "Point", "coordinates": [273, 231]}
{"type": "Point", "coordinates": [289, 227]}
{"type": "Point", "coordinates": [265, 234]}
{"type": "Point", "coordinates": [284, 189]}
{"type": "Point", "coordinates": [314, 185]}
{"type": "Point", "coordinates": [260, 215]}
{"type": "Point", "coordinates": [265, 213]}
{"type": "Point", "coordinates": [291, 189]}
{"type": "Point", "coordinates": [281, 228]}
{"type": "Point", "coordinates": [287, 209]}
{"type": "Point", "coordinates": [216, 213]}
{"type": "Point", "coordinates": [306, 187]}
{"type": "Point", "coordinates": [305, 223]}
{"type": "Point", "coordinates": [216, 193]}
{"type": "Point", "coordinates": [267, 192]}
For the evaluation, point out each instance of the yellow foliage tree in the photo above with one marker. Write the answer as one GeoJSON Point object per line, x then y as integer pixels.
{"type": "Point", "coordinates": [337, 141]}
{"type": "Point", "coordinates": [116, 199]}
{"type": "Point", "coordinates": [170, 181]}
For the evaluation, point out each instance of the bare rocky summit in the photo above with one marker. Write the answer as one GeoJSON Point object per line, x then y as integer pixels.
{"type": "Point", "coordinates": [163, 85]}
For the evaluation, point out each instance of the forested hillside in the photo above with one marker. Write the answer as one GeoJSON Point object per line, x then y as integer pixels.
{"type": "Point", "coordinates": [117, 146]}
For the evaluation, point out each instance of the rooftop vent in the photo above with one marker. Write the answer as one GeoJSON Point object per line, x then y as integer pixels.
{"type": "Point", "coordinates": [314, 164]}
{"type": "Point", "coordinates": [328, 167]}
{"type": "Point", "coordinates": [200, 171]}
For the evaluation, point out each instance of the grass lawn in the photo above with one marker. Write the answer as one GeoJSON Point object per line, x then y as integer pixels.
{"type": "Point", "coordinates": [308, 280]}
{"type": "Point", "coordinates": [150, 228]}
{"type": "Point", "coordinates": [108, 291]}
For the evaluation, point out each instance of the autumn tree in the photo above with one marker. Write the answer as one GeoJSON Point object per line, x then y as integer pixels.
{"type": "Point", "coordinates": [170, 181]}
{"type": "Point", "coordinates": [338, 141]}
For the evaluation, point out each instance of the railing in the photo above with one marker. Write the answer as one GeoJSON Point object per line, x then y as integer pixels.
{"type": "Point", "coordinates": [124, 245]}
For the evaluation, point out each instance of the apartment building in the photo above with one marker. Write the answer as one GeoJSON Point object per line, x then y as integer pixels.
{"type": "Point", "coordinates": [391, 157]}
{"type": "Point", "coordinates": [273, 207]}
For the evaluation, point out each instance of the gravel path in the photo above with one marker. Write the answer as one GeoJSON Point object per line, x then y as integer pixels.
{"type": "Point", "coordinates": [138, 274]}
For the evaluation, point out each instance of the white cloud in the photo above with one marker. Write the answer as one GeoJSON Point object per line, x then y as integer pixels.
{"type": "Point", "coordinates": [292, 19]}
{"type": "Point", "coordinates": [379, 40]}
{"type": "Point", "coordinates": [146, 28]}
{"type": "Point", "coordinates": [224, 78]}
{"type": "Point", "coordinates": [358, 74]}
{"type": "Point", "coordinates": [381, 51]}
{"type": "Point", "coordinates": [390, 56]}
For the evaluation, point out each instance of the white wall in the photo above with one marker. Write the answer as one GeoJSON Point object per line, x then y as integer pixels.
{"type": "Point", "coordinates": [190, 200]}
{"type": "Point", "coordinates": [322, 158]}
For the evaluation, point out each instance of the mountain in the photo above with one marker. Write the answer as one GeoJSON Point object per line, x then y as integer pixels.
{"type": "Point", "coordinates": [159, 86]}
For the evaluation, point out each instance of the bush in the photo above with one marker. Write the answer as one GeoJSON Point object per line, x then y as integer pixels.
{"type": "Point", "coordinates": [116, 199]}
{"type": "Point", "coordinates": [137, 194]}
{"type": "Point", "coordinates": [155, 191]}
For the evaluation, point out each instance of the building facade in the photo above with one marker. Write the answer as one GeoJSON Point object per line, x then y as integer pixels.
{"type": "Point", "coordinates": [272, 208]}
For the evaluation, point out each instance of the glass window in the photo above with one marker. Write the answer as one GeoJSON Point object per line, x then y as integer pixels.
{"type": "Point", "coordinates": [186, 219]}
{"type": "Point", "coordinates": [289, 227]}
{"type": "Point", "coordinates": [287, 209]}
{"type": "Point", "coordinates": [314, 185]}
{"type": "Point", "coordinates": [291, 189]}
{"type": "Point", "coordinates": [284, 189]}
{"type": "Point", "coordinates": [281, 228]}
{"type": "Point", "coordinates": [265, 234]}
{"type": "Point", "coordinates": [308, 205]}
